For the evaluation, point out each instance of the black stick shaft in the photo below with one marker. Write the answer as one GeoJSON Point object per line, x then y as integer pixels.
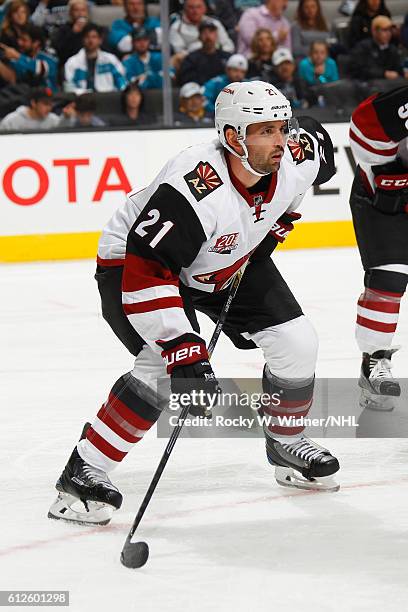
{"type": "Point", "coordinates": [180, 422]}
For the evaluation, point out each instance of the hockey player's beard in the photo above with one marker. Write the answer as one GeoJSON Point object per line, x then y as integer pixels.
{"type": "Point", "coordinates": [265, 165]}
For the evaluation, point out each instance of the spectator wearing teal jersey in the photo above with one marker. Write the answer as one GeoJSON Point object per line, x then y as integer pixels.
{"type": "Point", "coordinates": [318, 67]}
{"type": "Point", "coordinates": [143, 66]}
{"type": "Point", "coordinates": [120, 37]}
{"type": "Point", "coordinates": [235, 72]}
{"type": "Point", "coordinates": [30, 62]}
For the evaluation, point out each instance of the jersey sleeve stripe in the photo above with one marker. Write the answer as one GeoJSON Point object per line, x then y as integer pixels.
{"type": "Point", "coordinates": [377, 144]}
{"type": "Point", "coordinates": [107, 263]}
{"type": "Point", "coordinates": [150, 293]}
{"type": "Point", "coordinates": [150, 305]}
{"type": "Point", "coordinates": [385, 152]}
{"type": "Point", "coordinates": [366, 119]}
{"type": "Point", "coordinates": [141, 273]}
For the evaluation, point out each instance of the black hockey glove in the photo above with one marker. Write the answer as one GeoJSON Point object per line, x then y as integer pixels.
{"type": "Point", "coordinates": [186, 360]}
{"type": "Point", "coordinates": [391, 194]}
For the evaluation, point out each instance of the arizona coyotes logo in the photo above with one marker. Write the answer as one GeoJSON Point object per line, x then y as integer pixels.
{"type": "Point", "coordinates": [302, 150]}
{"type": "Point", "coordinates": [202, 180]}
{"type": "Point", "coordinates": [221, 278]}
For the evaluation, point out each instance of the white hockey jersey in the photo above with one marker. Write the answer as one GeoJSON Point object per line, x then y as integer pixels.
{"type": "Point", "coordinates": [195, 223]}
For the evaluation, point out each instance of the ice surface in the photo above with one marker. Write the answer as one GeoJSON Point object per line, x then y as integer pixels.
{"type": "Point", "coordinates": [222, 534]}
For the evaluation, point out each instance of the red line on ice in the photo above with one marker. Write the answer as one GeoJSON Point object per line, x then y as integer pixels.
{"type": "Point", "coordinates": [124, 527]}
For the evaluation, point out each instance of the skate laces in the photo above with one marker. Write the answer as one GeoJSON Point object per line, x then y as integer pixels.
{"type": "Point", "coordinates": [305, 449]}
{"type": "Point", "coordinates": [95, 476]}
{"type": "Point", "coordinates": [380, 368]}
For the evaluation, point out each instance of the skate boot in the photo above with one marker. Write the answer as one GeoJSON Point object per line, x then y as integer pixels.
{"type": "Point", "coordinates": [315, 464]}
{"type": "Point", "coordinates": [376, 381]}
{"type": "Point", "coordinates": [86, 495]}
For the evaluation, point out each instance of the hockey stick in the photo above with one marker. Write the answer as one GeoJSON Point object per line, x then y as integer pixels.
{"type": "Point", "coordinates": [135, 554]}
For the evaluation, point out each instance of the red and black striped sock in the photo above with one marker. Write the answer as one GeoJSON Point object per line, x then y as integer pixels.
{"type": "Point", "coordinates": [121, 422]}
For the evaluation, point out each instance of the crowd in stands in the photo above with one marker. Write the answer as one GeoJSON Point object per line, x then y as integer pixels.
{"type": "Point", "coordinates": [61, 67]}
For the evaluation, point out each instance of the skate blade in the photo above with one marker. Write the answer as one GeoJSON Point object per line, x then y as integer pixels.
{"type": "Point", "coordinates": [287, 477]}
{"type": "Point", "coordinates": [72, 510]}
{"type": "Point", "coordinates": [378, 403]}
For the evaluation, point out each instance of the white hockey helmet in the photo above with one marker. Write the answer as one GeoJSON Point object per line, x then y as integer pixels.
{"type": "Point", "coordinates": [241, 104]}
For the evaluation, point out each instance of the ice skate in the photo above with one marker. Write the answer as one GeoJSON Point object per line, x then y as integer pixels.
{"type": "Point", "coordinates": [302, 464]}
{"type": "Point", "coordinates": [379, 388]}
{"type": "Point", "coordinates": [86, 495]}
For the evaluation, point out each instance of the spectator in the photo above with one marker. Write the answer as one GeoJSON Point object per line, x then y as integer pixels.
{"type": "Point", "coordinates": [360, 22]}
{"type": "Point", "coordinates": [144, 66]}
{"type": "Point", "coordinates": [228, 13]}
{"type": "Point", "coordinates": [132, 103]}
{"type": "Point", "coordinates": [205, 63]}
{"type": "Point", "coordinates": [260, 64]}
{"type": "Point", "coordinates": [269, 16]}
{"type": "Point", "coordinates": [184, 33]}
{"type": "Point", "coordinates": [235, 71]}
{"type": "Point", "coordinates": [376, 57]}
{"type": "Point", "coordinates": [30, 63]}
{"type": "Point", "coordinates": [37, 115]}
{"type": "Point", "coordinates": [15, 19]}
{"type": "Point", "coordinates": [7, 74]}
{"type": "Point", "coordinates": [92, 69]}
{"type": "Point", "coordinates": [84, 114]}
{"type": "Point", "coordinates": [120, 37]}
{"type": "Point", "coordinates": [286, 78]}
{"type": "Point", "coordinates": [67, 40]}
{"type": "Point", "coordinates": [192, 107]}
{"type": "Point", "coordinates": [50, 13]}
{"type": "Point", "coordinates": [3, 10]}
{"type": "Point", "coordinates": [318, 68]}
{"type": "Point", "coordinates": [310, 26]}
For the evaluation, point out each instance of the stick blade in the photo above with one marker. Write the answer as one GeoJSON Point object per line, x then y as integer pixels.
{"type": "Point", "coordinates": [134, 555]}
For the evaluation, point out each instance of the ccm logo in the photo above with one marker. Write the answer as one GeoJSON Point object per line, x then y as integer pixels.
{"type": "Point", "coordinates": [392, 183]}
{"type": "Point", "coordinates": [182, 354]}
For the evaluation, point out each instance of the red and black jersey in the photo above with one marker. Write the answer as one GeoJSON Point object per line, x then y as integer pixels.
{"type": "Point", "coordinates": [379, 136]}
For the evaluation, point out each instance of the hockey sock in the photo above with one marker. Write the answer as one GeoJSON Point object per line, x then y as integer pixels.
{"type": "Point", "coordinates": [290, 401]}
{"type": "Point", "coordinates": [378, 309]}
{"type": "Point", "coordinates": [121, 422]}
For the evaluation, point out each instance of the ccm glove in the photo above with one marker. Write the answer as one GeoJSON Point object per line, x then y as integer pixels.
{"type": "Point", "coordinates": [186, 360]}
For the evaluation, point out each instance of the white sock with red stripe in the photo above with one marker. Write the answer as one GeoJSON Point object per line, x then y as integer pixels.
{"type": "Point", "coordinates": [377, 319]}
{"type": "Point", "coordinates": [121, 422]}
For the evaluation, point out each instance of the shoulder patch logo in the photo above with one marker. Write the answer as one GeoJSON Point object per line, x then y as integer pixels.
{"type": "Point", "coordinates": [202, 180]}
{"type": "Point", "coordinates": [302, 150]}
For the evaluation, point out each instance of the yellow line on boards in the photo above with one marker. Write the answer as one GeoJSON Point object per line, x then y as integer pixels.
{"type": "Point", "coordinates": [46, 247]}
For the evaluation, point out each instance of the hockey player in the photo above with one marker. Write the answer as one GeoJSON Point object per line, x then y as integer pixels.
{"type": "Point", "coordinates": [379, 204]}
{"type": "Point", "coordinates": [173, 248]}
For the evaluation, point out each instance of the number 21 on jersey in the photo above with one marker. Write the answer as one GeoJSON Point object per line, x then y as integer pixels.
{"type": "Point", "coordinates": [154, 215]}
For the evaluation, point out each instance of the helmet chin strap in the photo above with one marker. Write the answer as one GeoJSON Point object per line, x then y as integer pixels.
{"type": "Point", "coordinates": [244, 159]}
{"type": "Point", "coordinates": [247, 165]}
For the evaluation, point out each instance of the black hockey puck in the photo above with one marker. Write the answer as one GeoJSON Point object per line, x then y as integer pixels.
{"type": "Point", "coordinates": [134, 555]}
